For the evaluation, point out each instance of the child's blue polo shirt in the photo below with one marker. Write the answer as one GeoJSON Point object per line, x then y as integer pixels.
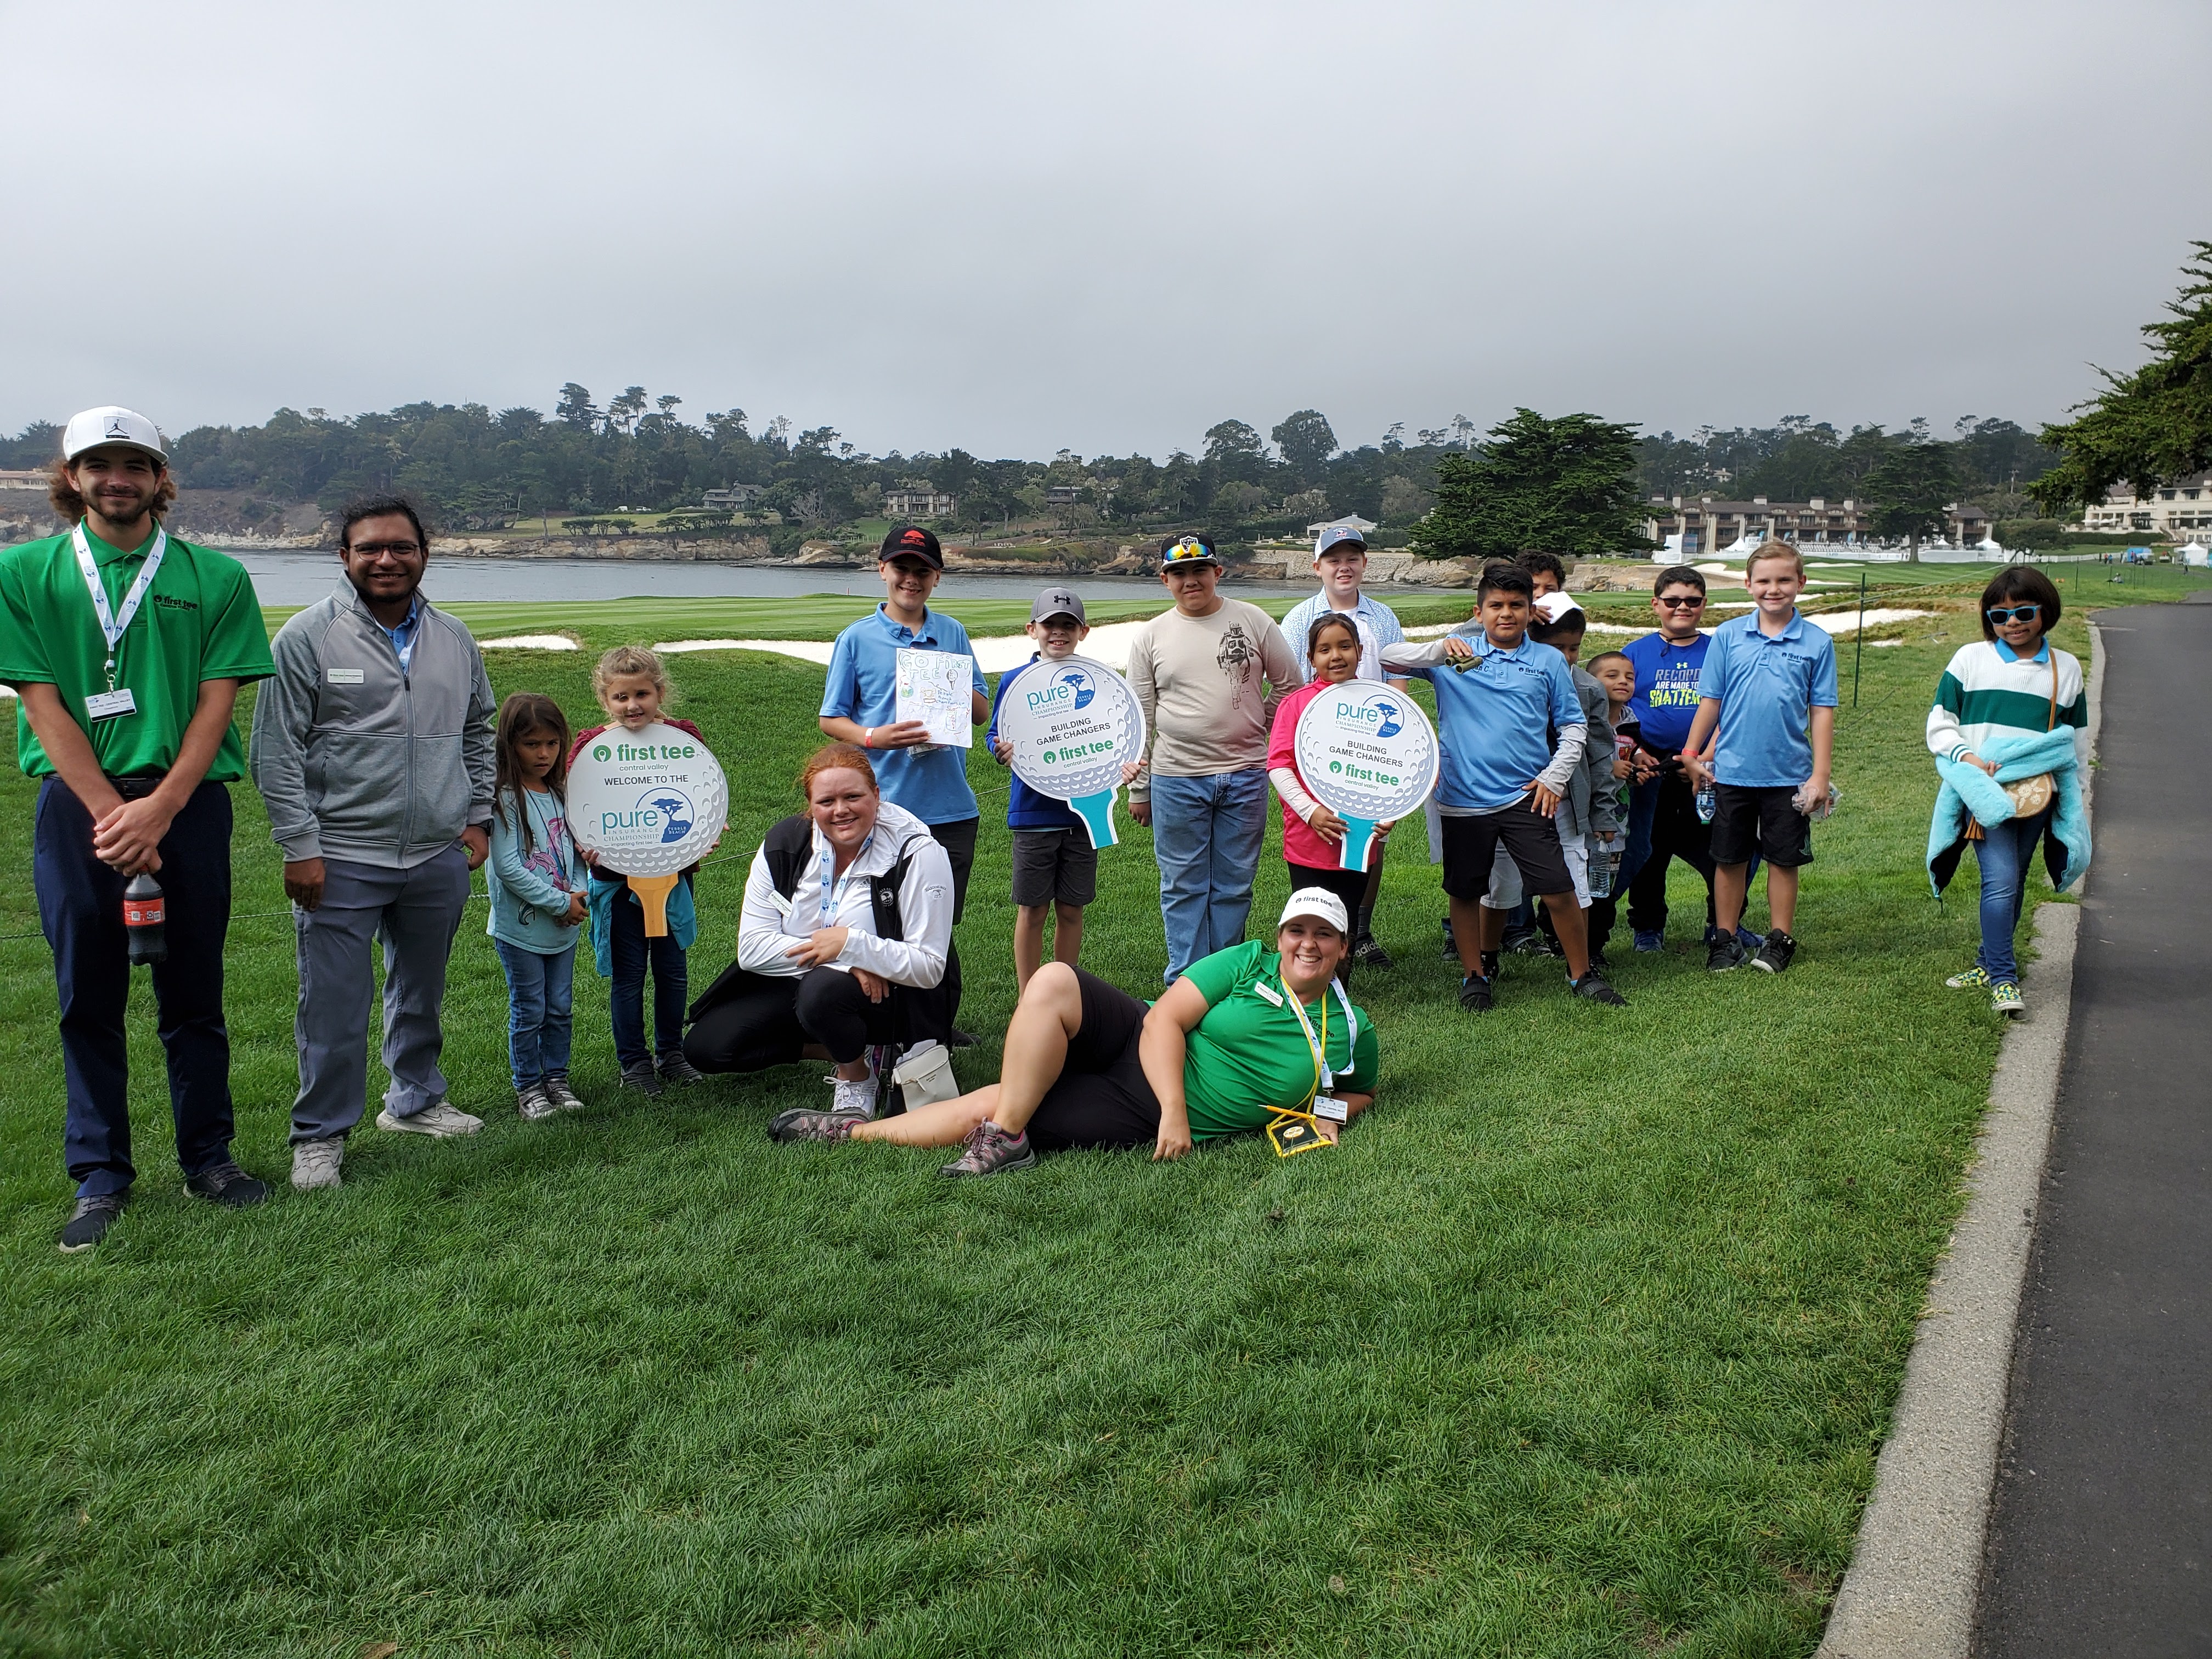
{"type": "Point", "coordinates": [1768, 686]}
{"type": "Point", "coordinates": [863, 686]}
{"type": "Point", "coordinates": [1495, 717]}
{"type": "Point", "coordinates": [1667, 676]}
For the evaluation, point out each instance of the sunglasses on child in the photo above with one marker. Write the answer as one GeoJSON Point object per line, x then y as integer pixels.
{"type": "Point", "coordinates": [1682, 601]}
{"type": "Point", "coordinates": [2001, 614]}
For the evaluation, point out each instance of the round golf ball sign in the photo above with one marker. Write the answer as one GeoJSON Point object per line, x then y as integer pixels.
{"type": "Point", "coordinates": [648, 803]}
{"type": "Point", "coordinates": [1073, 724]}
{"type": "Point", "coordinates": [1369, 754]}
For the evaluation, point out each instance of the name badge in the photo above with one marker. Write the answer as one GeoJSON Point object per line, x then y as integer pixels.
{"type": "Point", "coordinates": [111, 705]}
{"type": "Point", "coordinates": [343, 676]}
{"type": "Point", "coordinates": [1263, 988]}
{"type": "Point", "coordinates": [1330, 1109]}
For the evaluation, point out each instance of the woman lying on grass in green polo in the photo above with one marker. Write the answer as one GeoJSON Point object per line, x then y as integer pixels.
{"type": "Point", "coordinates": [1248, 1038]}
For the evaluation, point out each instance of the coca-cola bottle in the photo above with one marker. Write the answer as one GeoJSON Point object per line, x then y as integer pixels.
{"type": "Point", "coordinates": [145, 920]}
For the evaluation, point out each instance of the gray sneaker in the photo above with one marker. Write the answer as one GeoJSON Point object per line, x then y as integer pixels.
{"type": "Point", "coordinates": [90, 1222]}
{"type": "Point", "coordinates": [563, 1097]}
{"type": "Point", "coordinates": [533, 1103]}
{"type": "Point", "coordinates": [992, 1150]}
{"type": "Point", "coordinates": [676, 1070]}
{"type": "Point", "coordinates": [316, 1163]}
{"type": "Point", "coordinates": [439, 1119]}
{"type": "Point", "coordinates": [812, 1126]}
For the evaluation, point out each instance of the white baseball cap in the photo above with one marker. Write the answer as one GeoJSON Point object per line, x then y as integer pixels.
{"type": "Point", "coordinates": [1319, 903]}
{"type": "Point", "coordinates": [113, 424]}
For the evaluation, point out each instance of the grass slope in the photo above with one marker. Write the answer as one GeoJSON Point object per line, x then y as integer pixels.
{"type": "Point", "coordinates": [1583, 1344]}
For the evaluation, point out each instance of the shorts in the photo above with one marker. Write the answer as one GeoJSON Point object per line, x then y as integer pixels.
{"type": "Point", "coordinates": [1055, 866]}
{"type": "Point", "coordinates": [1506, 893]}
{"type": "Point", "coordinates": [1766, 822]}
{"type": "Point", "coordinates": [1100, 1098]}
{"type": "Point", "coordinates": [1530, 839]}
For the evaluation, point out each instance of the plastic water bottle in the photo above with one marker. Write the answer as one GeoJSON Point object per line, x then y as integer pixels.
{"type": "Point", "coordinates": [145, 920]}
{"type": "Point", "coordinates": [1600, 872]}
{"type": "Point", "coordinates": [1707, 803]}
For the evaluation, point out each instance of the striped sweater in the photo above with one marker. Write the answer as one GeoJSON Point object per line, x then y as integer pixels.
{"type": "Point", "coordinates": [1987, 691]}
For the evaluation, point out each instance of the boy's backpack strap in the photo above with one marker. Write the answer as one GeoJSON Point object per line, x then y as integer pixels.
{"type": "Point", "coordinates": [786, 846]}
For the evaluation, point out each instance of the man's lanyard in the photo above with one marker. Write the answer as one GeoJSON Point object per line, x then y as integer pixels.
{"type": "Point", "coordinates": [1324, 1077]}
{"type": "Point", "coordinates": [832, 897]}
{"type": "Point", "coordinates": [112, 623]}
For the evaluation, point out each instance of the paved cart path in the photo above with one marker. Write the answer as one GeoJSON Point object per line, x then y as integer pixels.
{"type": "Point", "coordinates": [2101, 1539]}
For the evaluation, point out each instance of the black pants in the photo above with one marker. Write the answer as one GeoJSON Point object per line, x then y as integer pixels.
{"type": "Point", "coordinates": [763, 1020]}
{"type": "Point", "coordinates": [1676, 833]}
{"type": "Point", "coordinates": [1102, 1097]}
{"type": "Point", "coordinates": [958, 841]}
{"type": "Point", "coordinates": [80, 910]}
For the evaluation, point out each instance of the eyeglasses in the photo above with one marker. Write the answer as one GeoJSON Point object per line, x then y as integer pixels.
{"type": "Point", "coordinates": [2016, 613]}
{"type": "Point", "coordinates": [1682, 602]}
{"type": "Point", "coordinates": [375, 550]}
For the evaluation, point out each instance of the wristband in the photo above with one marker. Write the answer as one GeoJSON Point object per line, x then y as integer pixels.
{"type": "Point", "coordinates": [868, 738]}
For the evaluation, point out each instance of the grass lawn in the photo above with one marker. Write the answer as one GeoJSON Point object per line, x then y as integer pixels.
{"type": "Point", "coordinates": [1585, 1343]}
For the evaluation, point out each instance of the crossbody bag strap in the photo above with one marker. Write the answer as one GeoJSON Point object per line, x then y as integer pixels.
{"type": "Point", "coordinates": [2051, 715]}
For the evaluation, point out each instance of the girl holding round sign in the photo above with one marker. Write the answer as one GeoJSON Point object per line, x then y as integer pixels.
{"type": "Point", "coordinates": [1349, 758]}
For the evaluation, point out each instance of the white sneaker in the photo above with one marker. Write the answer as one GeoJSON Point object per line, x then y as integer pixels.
{"type": "Point", "coordinates": [438, 1120]}
{"type": "Point", "coordinates": [854, 1097]}
{"type": "Point", "coordinates": [315, 1162]}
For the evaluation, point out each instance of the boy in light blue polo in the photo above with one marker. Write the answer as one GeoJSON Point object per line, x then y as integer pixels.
{"type": "Point", "coordinates": [1763, 740]}
{"type": "Point", "coordinates": [1499, 698]}
{"type": "Point", "coordinates": [859, 699]}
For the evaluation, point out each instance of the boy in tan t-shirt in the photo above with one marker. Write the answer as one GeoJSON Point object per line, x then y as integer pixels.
{"type": "Point", "coordinates": [1199, 673]}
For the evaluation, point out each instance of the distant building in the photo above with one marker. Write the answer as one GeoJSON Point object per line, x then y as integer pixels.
{"type": "Point", "coordinates": [13, 480]}
{"type": "Point", "coordinates": [918, 502]}
{"type": "Point", "coordinates": [1707, 527]}
{"type": "Point", "coordinates": [1353, 521]}
{"type": "Point", "coordinates": [2183, 504]}
{"type": "Point", "coordinates": [1062, 494]}
{"type": "Point", "coordinates": [738, 498]}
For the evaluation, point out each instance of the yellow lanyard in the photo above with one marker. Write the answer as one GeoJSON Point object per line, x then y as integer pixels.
{"type": "Point", "coordinates": [1319, 1045]}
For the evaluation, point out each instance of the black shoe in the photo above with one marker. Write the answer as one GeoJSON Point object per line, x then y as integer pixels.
{"type": "Point", "coordinates": [1366, 951]}
{"type": "Point", "coordinates": [812, 1126]}
{"type": "Point", "coordinates": [1723, 954]}
{"type": "Point", "coordinates": [1775, 954]}
{"type": "Point", "coordinates": [1451, 948]}
{"type": "Point", "coordinates": [675, 1070]}
{"type": "Point", "coordinates": [1598, 960]}
{"type": "Point", "coordinates": [227, 1185]}
{"type": "Point", "coordinates": [640, 1075]}
{"type": "Point", "coordinates": [957, 1038]}
{"type": "Point", "coordinates": [1525, 942]}
{"type": "Point", "coordinates": [1490, 964]}
{"type": "Point", "coordinates": [1592, 988]}
{"type": "Point", "coordinates": [90, 1222]}
{"type": "Point", "coordinates": [1474, 993]}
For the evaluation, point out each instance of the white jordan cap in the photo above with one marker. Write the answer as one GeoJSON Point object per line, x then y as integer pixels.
{"type": "Point", "coordinates": [113, 425]}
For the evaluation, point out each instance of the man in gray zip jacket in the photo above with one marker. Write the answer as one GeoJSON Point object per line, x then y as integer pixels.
{"type": "Point", "coordinates": [373, 747]}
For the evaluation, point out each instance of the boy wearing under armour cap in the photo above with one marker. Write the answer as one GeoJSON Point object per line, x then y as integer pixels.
{"type": "Point", "coordinates": [1340, 560]}
{"type": "Point", "coordinates": [126, 649]}
{"type": "Point", "coordinates": [1055, 865]}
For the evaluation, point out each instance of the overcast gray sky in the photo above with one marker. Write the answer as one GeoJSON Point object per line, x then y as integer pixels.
{"type": "Point", "coordinates": [1024, 227]}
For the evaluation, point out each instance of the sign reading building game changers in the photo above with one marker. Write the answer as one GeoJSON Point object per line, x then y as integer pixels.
{"type": "Point", "coordinates": [1366, 752]}
{"type": "Point", "coordinates": [1073, 725]}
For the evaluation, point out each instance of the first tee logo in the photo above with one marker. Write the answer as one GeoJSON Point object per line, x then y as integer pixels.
{"type": "Point", "coordinates": [601, 752]}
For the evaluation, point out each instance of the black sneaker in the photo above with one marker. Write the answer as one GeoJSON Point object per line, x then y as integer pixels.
{"type": "Point", "coordinates": [1489, 964]}
{"type": "Point", "coordinates": [226, 1184]}
{"type": "Point", "coordinates": [1723, 953]}
{"type": "Point", "coordinates": [676, 1070]}
{"type": "Point", "coordinates": [640, 1075]}
{"type": "Point", "coordinates": [1367, 952]}
{"type": "Point", "coordinates": [1474, 993]}
{"type": "Point", "coordinates": [90, 1222]}
{"type": "Point", "coordinates": [1525, 942]}
{"type": "Point", "coordinates": [1451, 947]}
{"type": "Point", "coordinates": [1592, 988]}
{"type": "Point", "coordinates": [1598, 960]}
{"type": "Point", "coordinates": [1775, 953]}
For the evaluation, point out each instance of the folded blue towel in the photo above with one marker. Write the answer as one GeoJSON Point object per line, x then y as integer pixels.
{"type": "Point", "coordinates": [1969, 790]}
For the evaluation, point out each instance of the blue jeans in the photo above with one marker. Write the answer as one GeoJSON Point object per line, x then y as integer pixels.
{"type": "Point", "coordinates": [630, 953]}
{"type": "Point", "coordinates": [2004, 852]}
{"type": "Point", "coordinates": [541, 994]}
{"type": "Point", "coordinates": [1206, 834]}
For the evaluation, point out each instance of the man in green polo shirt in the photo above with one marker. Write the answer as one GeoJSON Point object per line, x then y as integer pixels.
{"type": "Point", "coordinates": [126, 649]}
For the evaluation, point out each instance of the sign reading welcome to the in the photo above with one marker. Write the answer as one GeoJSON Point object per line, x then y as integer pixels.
{"type": "Point", "coordinates": [648, 804]}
